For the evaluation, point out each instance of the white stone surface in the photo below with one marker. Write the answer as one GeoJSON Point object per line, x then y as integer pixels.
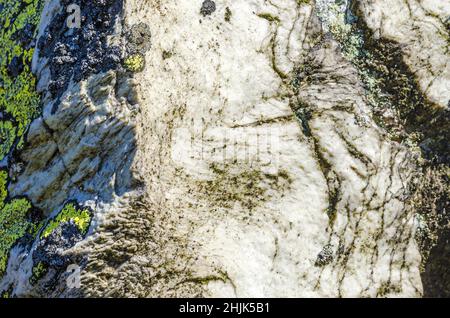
{"type": "Point", "coordinates": [231, 217]}
{"type": "Point", "coordinates": [210, 174]}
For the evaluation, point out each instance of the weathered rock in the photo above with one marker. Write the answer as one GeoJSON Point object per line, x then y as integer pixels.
{"type": "Point", "coordinates": [421, 31]}
{"type": "Point", "coordinates": [76, 53]}
{"type": "Point", "coordinates": [297, 149]}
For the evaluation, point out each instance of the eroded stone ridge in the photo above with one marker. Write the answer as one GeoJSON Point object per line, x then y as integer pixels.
{"type": "Point", "coordinates": [62, 172]}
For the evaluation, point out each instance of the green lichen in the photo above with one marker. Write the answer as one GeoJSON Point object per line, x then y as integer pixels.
{"type": "Point", "coordinates": [18, 97]}
{"type": "Point", "coordinates": [39, 270]}
{"type": "Point", "coordinates": [3, 190]}
{"type": "Point", "coordinates": [7, 137]}
{"type": "Point", "coordinates": [19, 105]}
{"type": "Point", "coordinates": [80, 217]}
{"type": "Point", "coordinates": [14, 224]}
{"type": "Point", "coordinates": [135, 63]}
{"type": "Point", "coordinates": [16, 221]}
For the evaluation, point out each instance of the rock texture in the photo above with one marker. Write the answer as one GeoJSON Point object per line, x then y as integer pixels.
{"type": "Point", "coordinates": [236, 149]}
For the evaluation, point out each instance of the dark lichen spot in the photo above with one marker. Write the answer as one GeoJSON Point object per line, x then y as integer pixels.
{"type": "Point", "coordinates": [325, 257]}
{"type": "Point", "coordinates": [50, 259]}
{"type": "Point", "coordinates": [69, 227]}
{"type": "Point", "coordinates": [208, 7]}
{"type": "Point", "coordinates": [166, 55]}
{"type": "Point", "coordinates": [228, 14]}
{"type": "Point", "coordinates": [50, 248]}
{"type": "Point", "coordinates": [25, 36]}
{"type": "Point", "coordinates": [16, 66]}
{"type": "Point", "coordinates": [138, 42]}
{"type": "Point", "coordinates": [88, 45]}
{"type": "Point", "coordinates": [138, 38]}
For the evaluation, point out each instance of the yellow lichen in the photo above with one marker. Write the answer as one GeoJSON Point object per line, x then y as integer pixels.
{"type": "Point", "coordinates": [81, 218]}
{"type": "Point", "coordinates": [135, 63]}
